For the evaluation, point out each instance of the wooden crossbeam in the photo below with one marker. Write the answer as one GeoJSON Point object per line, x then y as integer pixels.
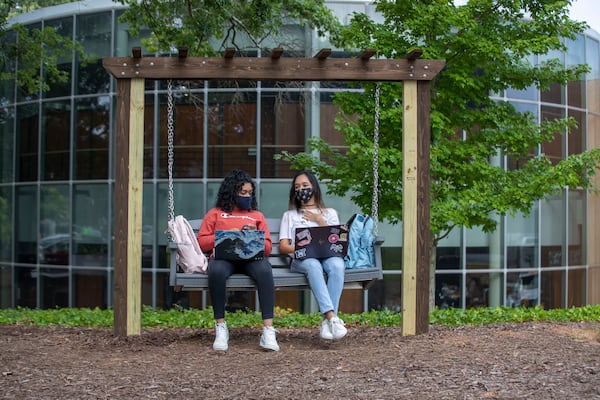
{"type": "Point", "coordinates": [269, 69]}
{"type": "Point", "coordinates": [229, 52]}
{"type": "Point", "coordinates": [366, 54]}
{"type": "Point", "coordinates": [276, 53]}
{"type": "Point", "coordinates": [323, 54]}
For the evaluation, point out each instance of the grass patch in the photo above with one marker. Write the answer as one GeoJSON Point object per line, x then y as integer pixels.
{"type": "Point", "coordinates": [286, 318]}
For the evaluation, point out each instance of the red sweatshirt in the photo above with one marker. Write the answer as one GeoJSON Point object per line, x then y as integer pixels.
{"type": "Point", "coordinates": [217, 219]}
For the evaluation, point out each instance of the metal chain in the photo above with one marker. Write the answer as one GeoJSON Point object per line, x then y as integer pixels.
{"type": "Point", "coordinates": [375, 201]}
{"type": "Point", "coordinates": [170, 150]}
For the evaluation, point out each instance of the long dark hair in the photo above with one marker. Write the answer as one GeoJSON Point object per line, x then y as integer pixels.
{"type": "Point", "coordinates": [295, 203]}
{"type": "Point", "coordinates": [230, 187]}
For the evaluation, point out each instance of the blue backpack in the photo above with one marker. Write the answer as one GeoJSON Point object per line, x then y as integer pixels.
{"type": "Point", "coordinates": [360, 242]}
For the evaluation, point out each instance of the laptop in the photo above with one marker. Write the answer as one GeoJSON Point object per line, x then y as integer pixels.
{"type": "Point", "coordinates": [321, 241]}
{"type": "Point", "coordinates": [244, 245]}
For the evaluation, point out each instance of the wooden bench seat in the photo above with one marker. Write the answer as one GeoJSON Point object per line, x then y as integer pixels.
{"type": "Point", "coordinates": [283, 277]}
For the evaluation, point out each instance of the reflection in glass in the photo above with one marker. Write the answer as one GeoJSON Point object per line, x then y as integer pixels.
{"type": "Point", "coordinates": [575, 139]}
{"type": "Point", "coordinates": [94, 33]}
{"type": "Point", "coordinates": [483, 290]}
{"type": "Point", "coordinates": [522, 289]}
{"type": "Point", "coordinates": [6, 286]}
{"type": "Point", "coordinates": [54, 287]}
{"type": "Point", "coordinates": [92, 134]}
{"type": "Point", "coordinates": [448, 290]}
{"type": "Point", "coordinates": [552, 232]}
{"type": "Point", "coordinates": [188, 125]}
{"type": "Point", "coordinates": [554, 149]}
{"type": "Point", "coordinates": [552, 289]}
{"type": "Point", "coordinates": [7, 120]}
{"type": "Point", "coordinates": [63, 27]}
{"type": "Point", "coordinates": [576, 55]}
{"type": "Point", "coordinates": [55, 236]}
{"type": "Point", "coordinates": [25, 287]}
{"type": "Point", "coordinates": [231, 133]}
{"type": "Point", "coordinates": [26, 231]}
{"type": "Point", "coordinates": [56, 140]}
{"type": "Point", "coordinates": [90, 225]}
{"type": "Point", "coordinates": [576, 228]}
{"type": "Point", "coordinates": [576, 290]}
{"type": "Point", "coordinates": [6, 226]}
{"type": "Point", "coordinates": [522, 240]}
{"type": "Point", "coordinates": [90, 288]}
{"type": "Point", "coordinates": [282, 129]}
{"type": "Point", "coordinates": [592, 58]}
{"type": "Point", "coordinates": [27, 142]}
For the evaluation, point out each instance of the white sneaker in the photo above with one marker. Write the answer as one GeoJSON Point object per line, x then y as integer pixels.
{"type": "Point", "coordinates": [325, 330]}
{"type": "Point", "coordinates": [338, 329]}
{"type": "Point", "coordinates": [268, 340]}
{"type": "Point", "coordinates": [222, 336]}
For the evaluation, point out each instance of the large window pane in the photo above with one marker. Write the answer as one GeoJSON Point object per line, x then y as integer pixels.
{"type": "Point", "coordinates": [552, 289]}
{"type": "Point", "coordinates": [6, 224]}
{"type": "Point", "coordinates": [55, 236]}
{"type": "Point", "coordinates": [552, 232]}
{"type": "Point", "coordinates": [6, 285]}
{"type": "Point", "coordinates": [26, 232]}
{"type": "Point", "coordinates": [54, 287]}
{"type": "Point", "coordinates": [231, 133]}
{"type": "Point", "coordinates": [282, 129]}
{"type": "Point", "coordinates": [576, 88]}
{"type": "Point", "coordinates": [25, 287]}
{"type": "Point", "coordinates": [63, 27]}
{"type": "Point", "coordinates": [94, 33]}
{"type": "Point", "coordinates": [576, 138]}
{"type": "Point", "coordinates": [23, 94]}
{"type": "Point", "coordinates": [90, 288]}
{"type": "Point", "coordinates": [522, 240]}
{"type": "Point", "coordinates": [576, 228]}
{"type": "Point", "coordinates": [554, 149]}
{"type": "Point", "coordinates": [577, 290]}
{"type": "Point", "coordinates": [56, 140]}
{"type": "Point", "coordinates": [592, 48]}
{"type": "Point", "coordinates": [556, 93]}
{"type": "Point", "coordinates": [27, 142]}
{"type": "Point", "coordinates": [522, 289]}
{"type": "Point", "coordinates": [92, 130]}
{"type": "Point", "coordinates": [188, 125]}
{"type": "Point", "coordinates": [90, 225]}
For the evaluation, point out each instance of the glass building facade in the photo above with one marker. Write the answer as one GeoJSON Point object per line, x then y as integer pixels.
{"type": "Point", "coordinates": [57, 180]}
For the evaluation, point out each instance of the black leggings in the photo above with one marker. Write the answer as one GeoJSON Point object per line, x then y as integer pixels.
{"type": "Point", "coordinates": [260, 271]}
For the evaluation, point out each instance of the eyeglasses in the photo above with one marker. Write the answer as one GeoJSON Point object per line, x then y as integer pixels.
{"type": "Point", "coordinates": [245, 193]}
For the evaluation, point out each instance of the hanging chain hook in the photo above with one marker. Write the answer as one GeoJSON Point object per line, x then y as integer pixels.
{"type": "Point", "coordinates": [170, 150]}
{"type": "Point", "coordinates": [375, 200]}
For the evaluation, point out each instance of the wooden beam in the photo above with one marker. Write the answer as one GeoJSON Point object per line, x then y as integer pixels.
{"type": "Point", "coordinates": [414, 54]}
{"type": "Point", "coordinates": [136, 52]}
{"type": "Point", "coordinates": [128, 207]}
{"type": "Point", "coordinates": [323, 54]}
{"type": "Point", "coordinates": [366, 54]}
{"type": "Point", "coordinates": [182, 52]}
{"type": "Point", "coordinates": [268, 69]}
{"type": "Point", "coordinates": [229, 53]}
{"type": "Point", "coordinates": [276, 53]}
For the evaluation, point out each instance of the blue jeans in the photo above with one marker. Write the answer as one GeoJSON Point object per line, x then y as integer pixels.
{"type": "Point", "coordinates": [327, 290]}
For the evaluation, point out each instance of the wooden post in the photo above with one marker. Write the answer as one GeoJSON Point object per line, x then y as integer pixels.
{"type": "Point", "coordinates": [128, 206]}
{"type": "Point", "coordinates": [415, 209]}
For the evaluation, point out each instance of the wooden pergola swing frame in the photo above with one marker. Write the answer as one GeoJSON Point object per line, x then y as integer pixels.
{"type": "Point", "coordinates": [131, 72]}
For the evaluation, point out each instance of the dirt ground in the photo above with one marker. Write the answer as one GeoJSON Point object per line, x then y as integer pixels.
{"type": "Point", "coordinates": [503, 361]}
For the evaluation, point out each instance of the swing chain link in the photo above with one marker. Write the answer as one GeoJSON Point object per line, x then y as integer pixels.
{"type": "Point", "coordinates": [170, 150]}
{"type": "Point", "coordinates": [375, 200]}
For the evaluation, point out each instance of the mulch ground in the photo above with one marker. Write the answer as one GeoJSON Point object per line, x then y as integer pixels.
{"type": "Point", "coordinates": [502, 361]}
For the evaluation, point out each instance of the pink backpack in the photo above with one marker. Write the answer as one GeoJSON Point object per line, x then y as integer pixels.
{"type": "Point", "coordinates": [189, 255]}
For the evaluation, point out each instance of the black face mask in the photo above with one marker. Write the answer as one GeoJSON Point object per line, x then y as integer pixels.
{"type": "Point", "coordinates": [243, 202]}
{"type": "Point", "coordinates": [304, 195]}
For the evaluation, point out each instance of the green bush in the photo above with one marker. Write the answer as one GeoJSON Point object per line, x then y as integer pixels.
{"type": "Point", "coordinates": [286, 318]}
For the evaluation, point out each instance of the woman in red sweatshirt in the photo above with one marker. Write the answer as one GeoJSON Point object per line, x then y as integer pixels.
{"type": "Point", "coordinates": [236, 209]}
